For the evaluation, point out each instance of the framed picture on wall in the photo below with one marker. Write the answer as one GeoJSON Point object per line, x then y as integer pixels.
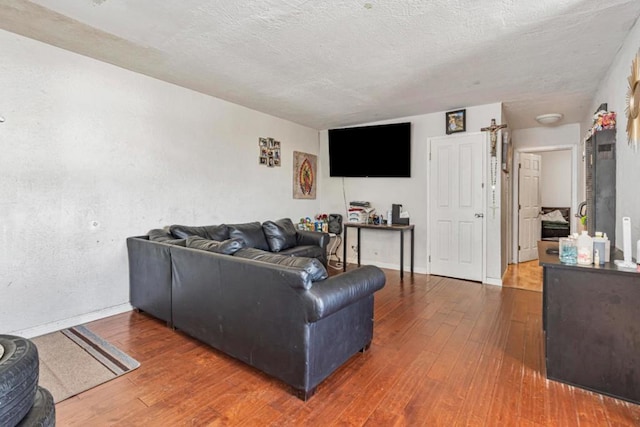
{"type": "Point", "coordinates": [456, 121]}
{"type": "Point", "coordinates": [304, 175]}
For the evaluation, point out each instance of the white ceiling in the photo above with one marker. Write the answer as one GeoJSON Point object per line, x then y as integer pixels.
{"type": "Point", "coordinates": [331, 63]}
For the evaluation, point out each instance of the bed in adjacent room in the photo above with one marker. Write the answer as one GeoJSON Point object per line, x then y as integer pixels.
{"type": "Point", "coordinates": [555, 223]}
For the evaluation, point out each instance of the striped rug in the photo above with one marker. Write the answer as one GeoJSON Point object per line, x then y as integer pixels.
{"type": "Point", "coordinates": [76, 359]}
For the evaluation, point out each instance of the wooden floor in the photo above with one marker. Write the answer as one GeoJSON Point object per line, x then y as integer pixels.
{"type": "Point", "coordinates": [445, 352]}
{"type": "Point", "coordinates": [525, 275]}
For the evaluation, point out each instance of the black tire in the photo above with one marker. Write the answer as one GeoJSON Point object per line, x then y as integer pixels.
{"type": "Point", "coordinates": [43, 411]}
{"type": "Point", "coordinates": [19, 371]}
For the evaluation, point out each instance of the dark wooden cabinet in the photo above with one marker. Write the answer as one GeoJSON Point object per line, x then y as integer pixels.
{"type": "Point", "coordinates": [591, 318]}
{"type": "Point", "coordinates": [600, 183]}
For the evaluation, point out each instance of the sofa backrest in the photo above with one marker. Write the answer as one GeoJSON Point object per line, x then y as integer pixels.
{"type": "Point", "coordinates": [211, 232]}
{"type": "Point", "coordinates": [226, 247]}
{"type": "Point", "coordinates": [251, 233]}
{"type": "Point", "coordinates": [163, 236]}
{"type": "Point", "coordinates": [208, 266]}
{"type": "Point", "coordinates": [312, 266]}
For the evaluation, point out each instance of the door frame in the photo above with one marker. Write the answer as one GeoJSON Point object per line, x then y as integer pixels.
{"type": "Point", "coordinates": [515, 217]}
{"type": "Point", "coordinates": [485, 147]}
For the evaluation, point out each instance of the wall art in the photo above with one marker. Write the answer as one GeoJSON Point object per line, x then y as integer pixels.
{"type": "Point", "coordinates": [304, 175]}
{"type": "Point", "coordinates": [633, 104]}
{"type": "Point", "coordinates": [269, 150]}
{"type": "Point", "coordinates": [456, 121]}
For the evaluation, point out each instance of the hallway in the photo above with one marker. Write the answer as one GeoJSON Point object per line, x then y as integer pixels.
{"type": "Point", "coordinates": [526, 275]}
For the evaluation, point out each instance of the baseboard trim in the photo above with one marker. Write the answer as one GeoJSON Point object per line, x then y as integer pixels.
{"type": "Point", "coordinates": [407, 269]}
{"type": "Point", "coordinates": [72, 321]}
{"type": "Point", "coordinates": [494, 282]}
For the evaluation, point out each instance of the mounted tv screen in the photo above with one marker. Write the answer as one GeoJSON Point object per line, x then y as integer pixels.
{"type": "Point", "coordinates": [381, 151]}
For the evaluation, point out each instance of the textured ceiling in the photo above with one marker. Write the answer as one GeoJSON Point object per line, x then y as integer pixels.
{"type": "Point", "coordinates": [330, 63]}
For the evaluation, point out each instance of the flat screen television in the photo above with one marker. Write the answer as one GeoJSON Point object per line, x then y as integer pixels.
{"type": "Point", "coordinates": [379, 151]}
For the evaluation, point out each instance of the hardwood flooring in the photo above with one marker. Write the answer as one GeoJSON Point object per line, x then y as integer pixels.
{"type": "Point", "coordinates": [445, 352]}
{"type": "Point", "coordinates": [525, 275]}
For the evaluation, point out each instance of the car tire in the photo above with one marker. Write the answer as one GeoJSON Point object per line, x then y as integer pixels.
{"type": "Point", "coordinates": [43, 411]}
{"type": "Point", "coordinates": [19, 369]}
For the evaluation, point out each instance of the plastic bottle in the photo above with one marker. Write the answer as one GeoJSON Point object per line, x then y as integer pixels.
{"type": "Point", "coordinates": [389, 217]}
{"type": "Point", "coordinates": [585, 249]}
{"type": "Point", "coordinates": [600, 245]}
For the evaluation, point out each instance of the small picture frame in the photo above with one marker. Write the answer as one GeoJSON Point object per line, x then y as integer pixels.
{"type": "Point", "coordinates": [262, 142]}
{"type": "Point", "coordinates": [456, 121]}
{"type": "Point", "coordinates": [262, 160]}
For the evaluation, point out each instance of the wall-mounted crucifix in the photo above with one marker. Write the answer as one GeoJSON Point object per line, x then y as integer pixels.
{"type": "Point", "coordinates": [493, 132]}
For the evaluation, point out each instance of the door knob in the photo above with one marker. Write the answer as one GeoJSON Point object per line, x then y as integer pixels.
{"type": "Point", "coordinates": [479, 215]}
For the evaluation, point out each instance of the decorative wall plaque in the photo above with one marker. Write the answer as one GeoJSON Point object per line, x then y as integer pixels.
{"type": "Point", "coordinates": [633, 104]}
{"type": "Point", "coordinates": [304, 175]}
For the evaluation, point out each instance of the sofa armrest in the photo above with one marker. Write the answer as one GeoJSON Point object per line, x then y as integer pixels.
{"type": "Point", "coordinates": [311, 238]}
{"type": "Point", "coordinates": [329, 296]}
{"type": "Point", "coordinates": [150, 276]}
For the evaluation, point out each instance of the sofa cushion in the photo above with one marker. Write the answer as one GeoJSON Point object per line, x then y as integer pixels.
{"type": "Point", "coordinates": [163, 236]}
{"type": "Point", "coordinates": [280, 234]}
{"type": "Point", "coordinates": [304, 251]}
{"type": "Point", "coordinates": [251, 253]}
{"type": "Point", "coordinates": [251, 233]}
{"type": "Point", "coordinates": [211, 232]}
{"type": "Point", "coordinates": [227, 247]}
{"type": "Point", "coordinates": [312, 266]}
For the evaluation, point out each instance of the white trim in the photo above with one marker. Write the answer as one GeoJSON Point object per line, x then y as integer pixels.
{"type": "Point", "coordinates": [516, 185]}
{"type": "Point", "coordinates": [493, 282]}
{"type": "Point", "coordinates": [485, 187]}
{"type": "Point", "coordinates": [389, 266]}
{"type": "Point", "coordinates": [72, 321]}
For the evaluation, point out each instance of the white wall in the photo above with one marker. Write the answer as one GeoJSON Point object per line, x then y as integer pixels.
{"type": "Point", "coordinates": [568, 134]}
{"type": "Point", "coordinates": [555, 179]}
{"type": "Point", "coordinates": [92, 153]}
{"type": "Point", "coordinates": [613, 91]}
{"type": "Point", "coordinates": [382, 248]}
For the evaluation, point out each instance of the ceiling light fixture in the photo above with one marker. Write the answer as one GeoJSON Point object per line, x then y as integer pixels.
{"type": "Point", "coordinates": [549, 119]}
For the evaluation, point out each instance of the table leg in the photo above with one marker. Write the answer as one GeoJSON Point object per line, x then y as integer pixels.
{"type": "Point", "coordinates": [344, 249]}
{"type": "Point", "coordinates": [401, 253]}
{"type": "Point", "coordinates": [359, 248]}
{"type": "Point", "coordinates": [412, 246]}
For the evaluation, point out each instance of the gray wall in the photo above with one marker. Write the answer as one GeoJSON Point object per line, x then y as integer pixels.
{"type": "Point", "coordinates": [613, 91]}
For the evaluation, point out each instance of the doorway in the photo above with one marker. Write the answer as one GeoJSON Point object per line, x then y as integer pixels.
{"type": "Point", "coordinates": [562, 164]}
{"type": "Point", "coordinates": [456, 206]}
{"type": "Point", "coordinates": [529, 176]}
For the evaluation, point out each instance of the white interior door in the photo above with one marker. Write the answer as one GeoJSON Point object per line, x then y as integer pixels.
{"type": "Point", "coordinates": [529, 216]}
{"type": "Point", "coordinates": [456, 212]}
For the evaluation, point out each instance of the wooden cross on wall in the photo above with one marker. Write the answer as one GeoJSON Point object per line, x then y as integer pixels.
{"type": "Point", "coordinates": [493, 132]}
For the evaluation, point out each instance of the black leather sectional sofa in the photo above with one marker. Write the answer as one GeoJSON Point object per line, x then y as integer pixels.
{"type": "Point", "coordinates": [276, 310]}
